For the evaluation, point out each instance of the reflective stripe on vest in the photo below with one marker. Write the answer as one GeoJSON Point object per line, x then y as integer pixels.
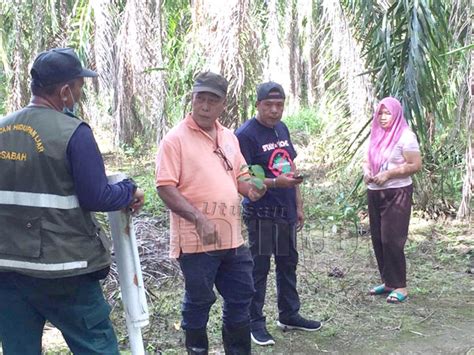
{"type": "Point", "coordinates": [32, 199]}
{"type": "Point", "coordinates": [43, 267]}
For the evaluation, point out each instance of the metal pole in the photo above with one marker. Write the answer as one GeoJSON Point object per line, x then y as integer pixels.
{"type": "Point", "coordinates": [132, 287]}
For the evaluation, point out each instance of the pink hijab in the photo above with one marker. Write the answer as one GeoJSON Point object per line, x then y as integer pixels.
{"type": "Point", "coordinates": [382, 140]}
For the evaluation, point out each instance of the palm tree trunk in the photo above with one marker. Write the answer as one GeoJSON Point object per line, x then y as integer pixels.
{"type": "Point", "coordinates": [19, 93]}
{"type": "Point", "coordinates": [461, 22]}
{"type": "Point", "coordinates": [277, 66]}
{"type": "Point", "coordinates": [465, 208]}
{"type": "Point", "coordinates": [139, 90]}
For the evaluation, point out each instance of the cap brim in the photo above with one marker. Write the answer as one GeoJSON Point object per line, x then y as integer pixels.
{"type": "Point", "coordinates": [87, 73]}
{"type": "Point", "coordinates": [209, 89]}
{"type": "Point", "coordinates": [272, 96]}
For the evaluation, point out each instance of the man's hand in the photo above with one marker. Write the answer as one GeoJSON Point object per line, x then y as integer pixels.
{"type": "Point", "coordinates": [137, 201]}
{"type": "Point", "coordinates": [287, 180]}
{"type": "Point", "coordinates": [255, 194]}
{"type": "Point", "coordinates": [248, 189]}
{"type": "Point", "coordinates": [206, 230]}
{"type": "Point", "coordinates": [176, 202]}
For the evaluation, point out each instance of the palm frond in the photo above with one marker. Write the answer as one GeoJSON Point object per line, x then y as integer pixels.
{"type": "Point", "coordinates": [227, 35]}
{"type": "Point", "coordinates": [403, 43]}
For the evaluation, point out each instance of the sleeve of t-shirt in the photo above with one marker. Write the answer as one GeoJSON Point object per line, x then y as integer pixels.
{"type": "Point", "coordinates": [88, 172]}
{"type": "Point", "coordinates": [168, 163]}
{"type": "Point", "coordinates": [409, 142]}
{"type": "Point", "coordinates": [247, 147]}
{"type": "Point", "coordinates": [239, 160]}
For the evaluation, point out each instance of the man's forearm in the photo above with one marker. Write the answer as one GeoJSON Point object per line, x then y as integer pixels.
{"type": "Point", "coordinates": [299, 199]}
{"type": "Point", "coordinates": [178, 204]}
{"type": "Point", "coordinates": [90, 182]}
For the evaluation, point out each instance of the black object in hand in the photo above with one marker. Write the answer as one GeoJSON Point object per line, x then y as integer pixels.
{"type": "Point", "coordinates": [300, 176]}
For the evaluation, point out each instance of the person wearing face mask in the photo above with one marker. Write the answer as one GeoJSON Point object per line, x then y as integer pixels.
{"type": "Point", "coordinates": [393, 156]}
{"type": "Point", "coordinates": [52, 250]}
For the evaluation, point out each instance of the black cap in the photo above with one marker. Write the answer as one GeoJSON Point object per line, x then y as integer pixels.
{"type": "Point", "coordinates": [270, 90]}
{"type": "Point", "coordinates": [211, 82]}
{"type": "Point", "coordinates": [58, 65]}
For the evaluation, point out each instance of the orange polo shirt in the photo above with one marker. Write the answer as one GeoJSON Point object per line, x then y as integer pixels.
{"type": "Point", "coordinates": [186, 160]}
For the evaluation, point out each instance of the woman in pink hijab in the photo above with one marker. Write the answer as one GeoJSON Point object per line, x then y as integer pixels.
{"type": "Point", "coordinates": [393, 156]}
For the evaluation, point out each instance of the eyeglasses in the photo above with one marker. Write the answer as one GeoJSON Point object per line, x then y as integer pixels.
{"type": "Point", "coordinates": [227, 164]}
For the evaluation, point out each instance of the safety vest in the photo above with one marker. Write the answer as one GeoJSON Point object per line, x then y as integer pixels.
{"type": "Point", "coordinates": [44, 232]}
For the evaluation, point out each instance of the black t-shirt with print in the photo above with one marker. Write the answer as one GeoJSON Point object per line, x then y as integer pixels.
{"type": "Point", "coordinates": [271, 148]}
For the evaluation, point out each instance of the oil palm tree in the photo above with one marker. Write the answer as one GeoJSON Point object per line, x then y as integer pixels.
{"type": "Point", "coordinates": [227, 36]}
{"type": "Point", "coordinates": [405, 45]}
{"type": "Point", "coordinates": [139, 94]}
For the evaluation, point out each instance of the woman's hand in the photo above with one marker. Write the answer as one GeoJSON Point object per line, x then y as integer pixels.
{"type": "Point", "coordinates": [411, 166]}
{"type": "Point", "coordinates": [381, 178]}
{"type": "Point", "coordinates": [368, 178]}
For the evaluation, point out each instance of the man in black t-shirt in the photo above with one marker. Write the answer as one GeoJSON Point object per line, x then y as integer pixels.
{"type": "Point", "coordinates": [273, 220]}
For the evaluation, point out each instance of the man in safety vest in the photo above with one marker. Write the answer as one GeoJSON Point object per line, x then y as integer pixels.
{"type": "Point", "coordinates": [52, 251]}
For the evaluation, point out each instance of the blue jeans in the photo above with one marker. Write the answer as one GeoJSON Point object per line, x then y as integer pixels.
{"type": "Point", "coordinates": [75, 305]}
{"type": "Point", "coordinates": [267, 238]}
{"type": "Point", "coordinates": [230, 271]}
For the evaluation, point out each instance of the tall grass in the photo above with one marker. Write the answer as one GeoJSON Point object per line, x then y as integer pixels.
{"type": "Point", "coordinates": [306, 120]}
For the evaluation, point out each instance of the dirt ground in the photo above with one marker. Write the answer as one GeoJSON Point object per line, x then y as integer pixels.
{"type": "Point", "coordinates": [443, 338]}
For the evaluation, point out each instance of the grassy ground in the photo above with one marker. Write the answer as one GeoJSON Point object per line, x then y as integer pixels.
{"type": "Point", "coordinates": [337, 267]}
{"type": "Point", "coordinates": [438, 318]}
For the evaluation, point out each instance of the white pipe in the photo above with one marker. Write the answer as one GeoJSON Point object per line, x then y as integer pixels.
{"type": "Point", "coordinates": [132, 287]}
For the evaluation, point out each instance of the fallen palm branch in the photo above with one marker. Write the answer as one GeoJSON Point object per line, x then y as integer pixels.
{"type": "Point", "coordinates": [152, 235]}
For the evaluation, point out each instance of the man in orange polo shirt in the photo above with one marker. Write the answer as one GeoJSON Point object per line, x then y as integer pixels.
{"type": "Point", "coordinates": [198, 167]}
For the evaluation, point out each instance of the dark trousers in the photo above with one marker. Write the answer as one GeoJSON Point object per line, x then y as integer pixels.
{"type": "Point", "coordinates": [267, 237]}
{"type": "Point", "coordinates": [389, 214]}
{"type": "Point", "coordinates": [230, 271]}
{"type": "Point", "coordinates": [75, 305]}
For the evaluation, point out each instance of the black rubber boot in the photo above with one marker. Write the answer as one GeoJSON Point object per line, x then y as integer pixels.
{"type": "Point", "coordinates": [196, 341]}
{"type": "Point", "coordinates": [236, 340]}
